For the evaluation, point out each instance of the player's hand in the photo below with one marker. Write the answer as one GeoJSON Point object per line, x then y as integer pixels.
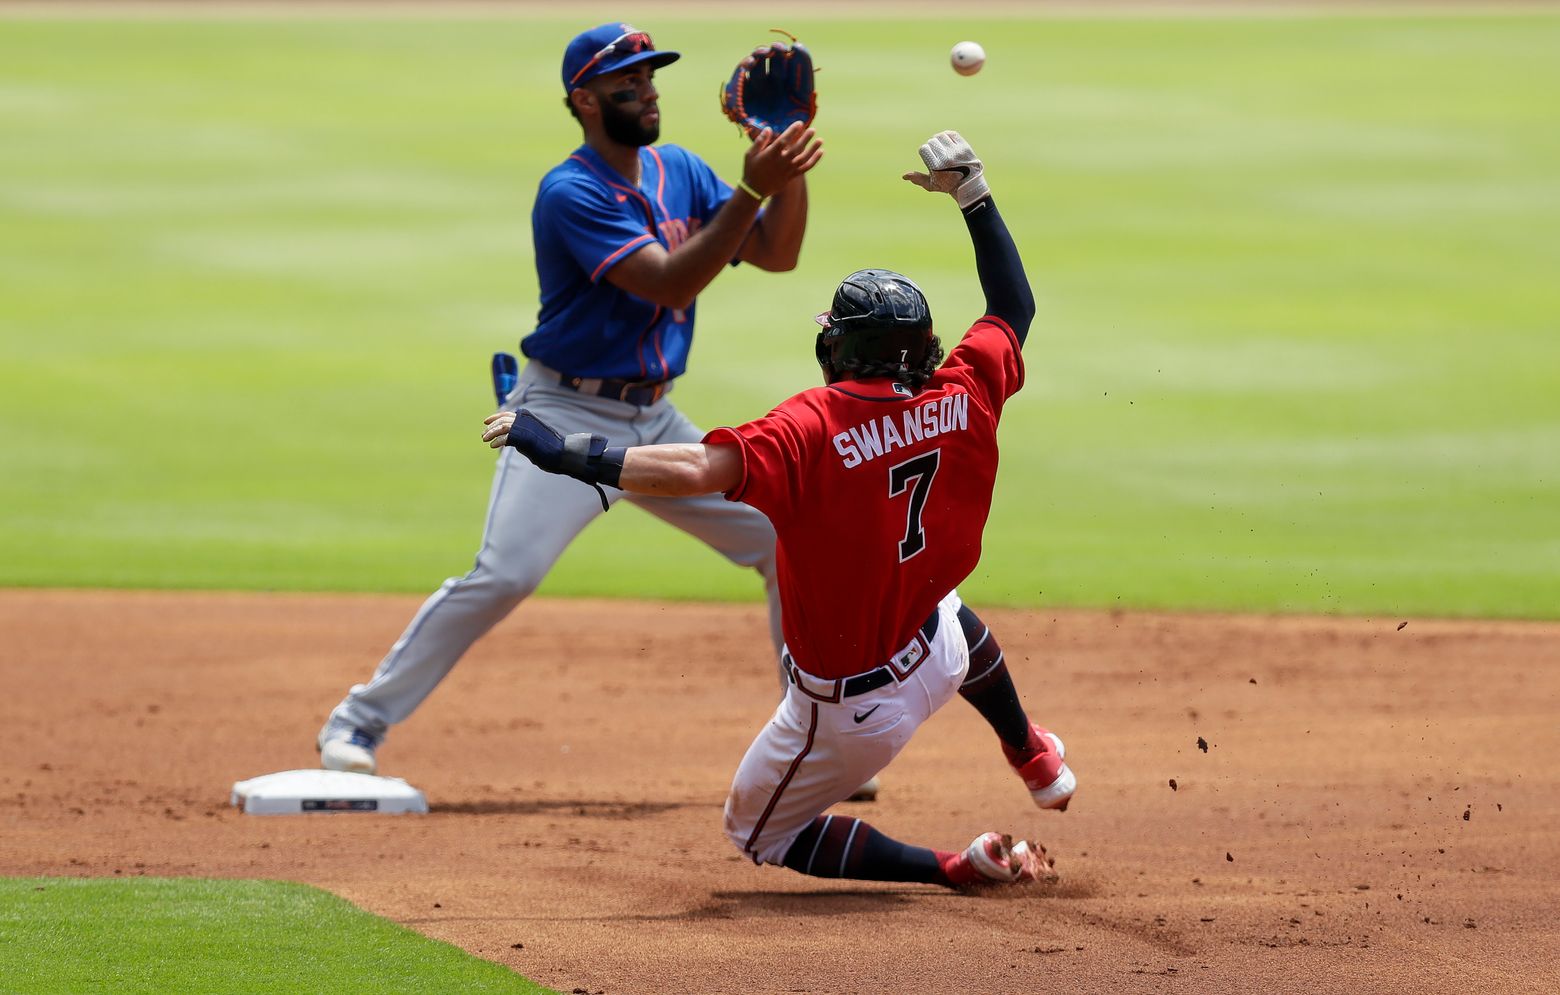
{"type": "Point", "coordinates": [953, 168]}
{"type": "Point", "coordinates": [773, 161]}
{"type": "Point", "coordinates": [496, 434]}
{"type": "Point", "coordinates": [581, 455]}
{"type": "Point", "coordinates": [538, 441]}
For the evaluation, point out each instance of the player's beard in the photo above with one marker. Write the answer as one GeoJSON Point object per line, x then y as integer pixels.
{"type": "Point", "coordinates": [624, 128]}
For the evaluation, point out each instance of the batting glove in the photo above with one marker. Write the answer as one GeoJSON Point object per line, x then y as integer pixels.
{"type": "Point", "coordinates": [953, 169]}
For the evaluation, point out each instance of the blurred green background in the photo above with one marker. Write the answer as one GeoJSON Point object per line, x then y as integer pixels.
{"type": "Point", "coordinates": [1298, 346]}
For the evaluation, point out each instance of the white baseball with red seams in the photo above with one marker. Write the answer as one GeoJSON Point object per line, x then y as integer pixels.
{"type": "Point", "coordinates": [967, 58]}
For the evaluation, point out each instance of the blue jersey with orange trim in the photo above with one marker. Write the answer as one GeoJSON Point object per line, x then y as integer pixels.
{"type": "Point", "coordinates": [587, 219]}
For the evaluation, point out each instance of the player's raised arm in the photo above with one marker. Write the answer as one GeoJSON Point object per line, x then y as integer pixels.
{"type": "Point", "coordinates": [775, 242]}
{"type": "Point", "coordinates": [953, 168]}
{"type": "Point", "coordinates": [774, 89]}
{"type": "Point", "coordinates": [674, 470]}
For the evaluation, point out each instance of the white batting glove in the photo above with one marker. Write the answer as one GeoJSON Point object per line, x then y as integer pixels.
{"type": "Point", "coordinates": [954, 169]}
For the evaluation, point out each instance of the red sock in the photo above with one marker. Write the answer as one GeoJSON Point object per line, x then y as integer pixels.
{"type": "Point", "coordinates": [1033, 745]}
{"type": "Point", "coordinates": [954, 871]}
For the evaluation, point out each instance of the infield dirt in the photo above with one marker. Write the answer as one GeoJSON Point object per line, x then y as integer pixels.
{"type": "Point", "coordinates": [1375, 810]}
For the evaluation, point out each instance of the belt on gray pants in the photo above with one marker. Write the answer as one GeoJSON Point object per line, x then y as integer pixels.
{"type": "Point", "coordinates": [637, 392]}
{"type": "Point", "coordinates": [898, 667]}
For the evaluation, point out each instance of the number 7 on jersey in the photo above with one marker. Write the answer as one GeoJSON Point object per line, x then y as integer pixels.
{"type": "Point", "coordinates": [921, 470]}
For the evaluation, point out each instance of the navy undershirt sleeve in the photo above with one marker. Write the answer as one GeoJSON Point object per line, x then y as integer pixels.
{"type": "Point", "coordinates": [1008, 295]}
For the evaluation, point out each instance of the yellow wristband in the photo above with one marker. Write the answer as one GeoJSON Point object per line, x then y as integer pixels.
{"type": "Point", "coordinates": [743, 186]}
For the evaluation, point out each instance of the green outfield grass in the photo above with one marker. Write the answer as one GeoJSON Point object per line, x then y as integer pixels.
{"type": "Point", "coordinates": [1298, 345]}
{"type": "Point", "coordinates": [160, 935]}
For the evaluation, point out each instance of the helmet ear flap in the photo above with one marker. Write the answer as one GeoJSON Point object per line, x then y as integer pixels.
{"type": "Point", "coordinates": [825, 357]}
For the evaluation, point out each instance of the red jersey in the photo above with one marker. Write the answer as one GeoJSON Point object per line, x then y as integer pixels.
{"type": "Point", "coordinates": [878, 496]}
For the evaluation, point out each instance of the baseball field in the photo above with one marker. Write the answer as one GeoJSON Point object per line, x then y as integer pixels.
{"type": "Point", "coordinates": [1275, 545]}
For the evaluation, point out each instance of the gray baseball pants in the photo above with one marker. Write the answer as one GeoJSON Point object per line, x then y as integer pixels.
{"type": "Point", "coordinates": [532, 517]}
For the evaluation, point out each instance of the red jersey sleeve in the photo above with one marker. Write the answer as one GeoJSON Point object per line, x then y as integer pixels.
{"type": "Point", "coordinates": [988, 361]}
{"type": "Point", "coordinates": [774, 455]}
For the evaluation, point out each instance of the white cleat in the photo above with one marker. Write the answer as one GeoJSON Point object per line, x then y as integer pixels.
{"type": "Point", "coordinates": [1050, 781]}
{"type": "Point", "coordinates": [1030, 863]}
{"type": "Point", "coordinates": [349, 750]}
{"type": "Point", "coordinates": [868, 791]}
{"type": "Point", "coordinates": [994, 859]}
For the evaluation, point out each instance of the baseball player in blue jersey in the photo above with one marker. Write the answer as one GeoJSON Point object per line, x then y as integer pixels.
{"type": "Point", "coordinates": [627, 234]}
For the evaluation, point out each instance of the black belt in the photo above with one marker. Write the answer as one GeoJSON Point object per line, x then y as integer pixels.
{"type": "Point", "coordinates": [872, 679]}
{"type": "Point", "coordinates": [636, 392]}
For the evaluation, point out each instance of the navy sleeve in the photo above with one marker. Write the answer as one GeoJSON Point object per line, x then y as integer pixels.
{"type": "Point", "coordinates": [1002, 277]}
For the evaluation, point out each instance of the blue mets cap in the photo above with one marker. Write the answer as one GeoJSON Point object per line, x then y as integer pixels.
{"type": "Point", "coordinates": [607, 48]}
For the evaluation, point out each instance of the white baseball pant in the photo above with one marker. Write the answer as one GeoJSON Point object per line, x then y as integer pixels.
{"type": "Point", "coordinates": [815, 751]}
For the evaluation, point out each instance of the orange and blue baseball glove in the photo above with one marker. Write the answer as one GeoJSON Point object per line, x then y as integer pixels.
{"type": "Point", "coordinates": [771, 88]}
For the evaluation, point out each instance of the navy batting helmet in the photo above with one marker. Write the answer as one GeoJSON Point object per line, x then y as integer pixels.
{"type": "Point", "coordinates": [879, 325]}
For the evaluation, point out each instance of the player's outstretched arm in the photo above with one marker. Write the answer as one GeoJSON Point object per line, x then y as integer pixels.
{"type": "Point", "coordinates": [682, 470]}
{"type": "Point", "coordinates": [953, 168]}
{"type": "Point", "coordinates": [673, 279]}
{"type": "Point", "coordinates": [774, 88]}
{"type": "Point", "coordinates": [668, 471]}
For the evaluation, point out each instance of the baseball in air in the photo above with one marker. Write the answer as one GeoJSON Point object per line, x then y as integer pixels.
{"type": "Point", "coordinates": [967, 58]}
